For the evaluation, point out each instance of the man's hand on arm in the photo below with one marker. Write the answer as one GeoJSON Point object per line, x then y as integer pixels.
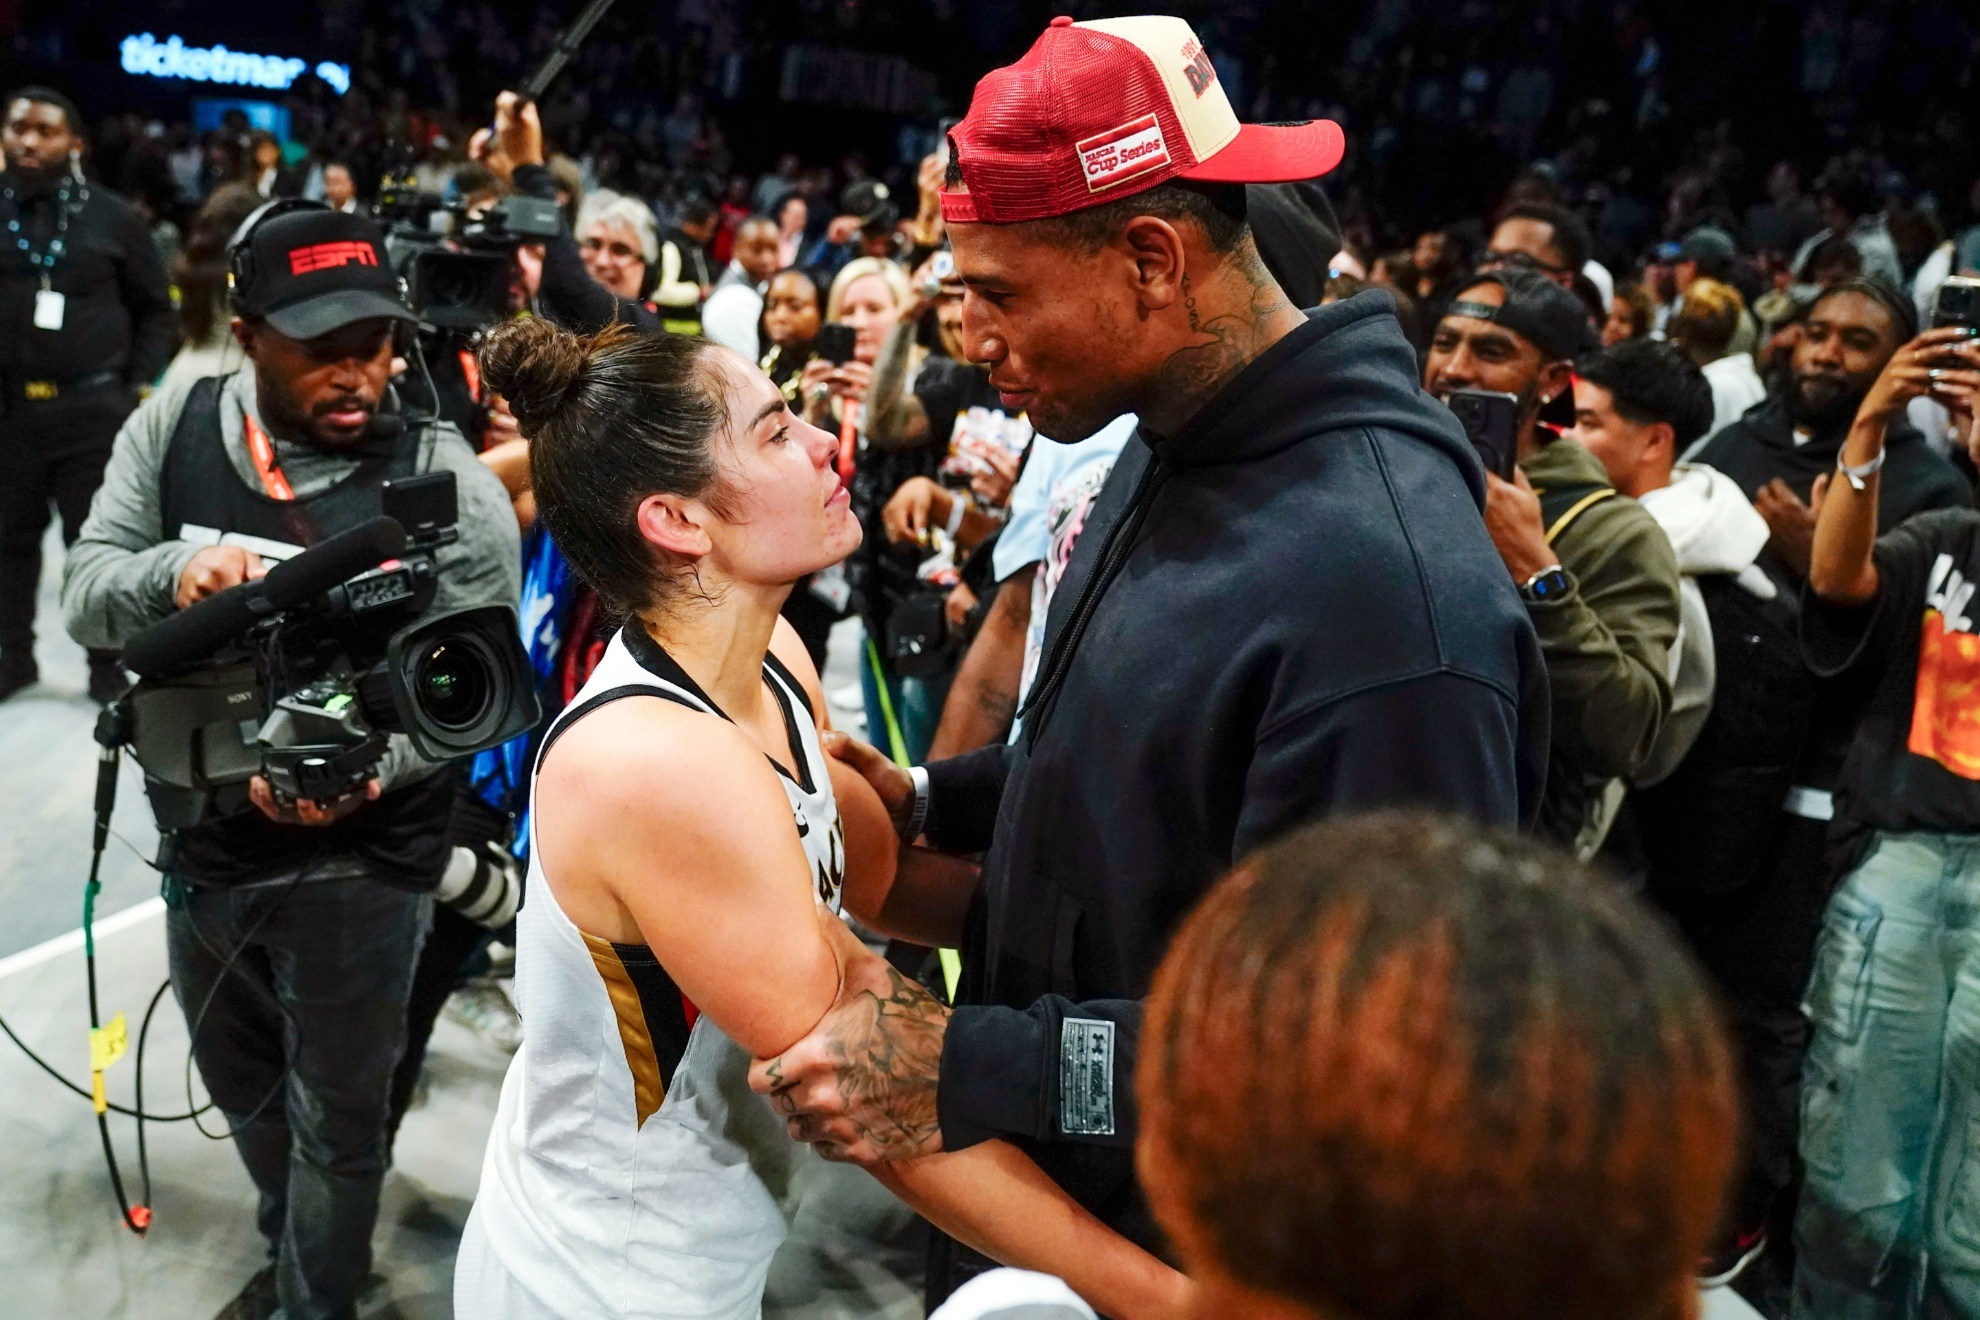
{"type": "Point", "coordinates": [894, 785]}
{"type": "Point", "coordinates": [862, 1086]}
{"type": "Point", "coordinates": [215, 569]}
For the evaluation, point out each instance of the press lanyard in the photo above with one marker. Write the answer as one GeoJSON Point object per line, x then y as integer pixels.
{"type": "Point", "coordinates": [471, 371]}
{"type": "Point", "coordinates": [45, 261]}
{"type": "Point", "coordinates": [265, 465]}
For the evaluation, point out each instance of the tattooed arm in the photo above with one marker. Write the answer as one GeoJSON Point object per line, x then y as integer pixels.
{"type": "Point", "coordinates": [984, 696]}
{"type": "Point", "coordinates": [895, 418]}
{"type": "Point", "coordinates": [884, 1042]}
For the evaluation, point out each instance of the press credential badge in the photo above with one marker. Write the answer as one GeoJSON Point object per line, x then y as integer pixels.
{"type": "Point", "coordinates": [48, 308]}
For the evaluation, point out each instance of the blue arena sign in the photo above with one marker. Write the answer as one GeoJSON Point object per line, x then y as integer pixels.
{"type": "Point", "coordinates": [149, 57]}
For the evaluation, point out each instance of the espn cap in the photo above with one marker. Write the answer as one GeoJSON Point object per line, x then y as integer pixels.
{"type": "Point", "coordinates": [308, 272]}
{"type": "Point", "coordinates": [1535, 308]}
{"type": "Point", "coordinates": [1109, 108]}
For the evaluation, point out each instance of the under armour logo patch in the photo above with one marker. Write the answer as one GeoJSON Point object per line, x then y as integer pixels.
{"type": "Point", "coordinates": [325, 256]}
{"type": "Point", "coordinates": [1086, 1078]}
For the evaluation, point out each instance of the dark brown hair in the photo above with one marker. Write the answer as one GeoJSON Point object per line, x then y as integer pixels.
{"type": "Point", "coordinates": [612, 418]}
{"type": "Point", "coordinates": [200, 270]}
{"type": "Point", "coordinates": [1402, 1068]}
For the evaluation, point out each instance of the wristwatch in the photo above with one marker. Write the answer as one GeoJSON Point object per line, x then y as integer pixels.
{"type": "Point", "coordinates": [1547, 584]}
{"type": "Point", "coordinates": [1858, 476]}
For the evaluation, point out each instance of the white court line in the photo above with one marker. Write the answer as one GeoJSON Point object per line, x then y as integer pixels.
{"type": "Point", "coordinates": [48, 950]}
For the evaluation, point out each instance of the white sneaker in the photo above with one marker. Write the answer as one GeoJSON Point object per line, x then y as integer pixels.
{"type": "Point", "coordinates": [483, 1007]}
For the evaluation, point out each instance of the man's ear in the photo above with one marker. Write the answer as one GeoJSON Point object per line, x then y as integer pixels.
{"type": "Point", "coordinates": [1556, 378]}
{"type": "Point", "coordinates": [243, 335]}
{"type": "Point", "coordinates": [1660, 438]}
{"type": "Point", "coordinates": [674, 524]}
{"type": "Point", "coordinates": [1159, 262]}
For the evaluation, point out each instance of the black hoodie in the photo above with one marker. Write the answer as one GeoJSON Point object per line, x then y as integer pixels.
{"type": "Point", "coordinates": [1289, 610]}
{"type": "Point", "coordinates": [1714, 826]}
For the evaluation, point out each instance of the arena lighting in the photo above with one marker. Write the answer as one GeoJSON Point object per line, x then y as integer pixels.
{"type": "Point", "coordinates": [149, 57]}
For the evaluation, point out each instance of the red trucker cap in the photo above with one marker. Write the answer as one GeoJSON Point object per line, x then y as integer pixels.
{"type": "Point", "coordinates": [1106, 109]}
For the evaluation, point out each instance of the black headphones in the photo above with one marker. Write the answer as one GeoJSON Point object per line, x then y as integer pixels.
{"type": "Point", "coordinates": [240, 261]}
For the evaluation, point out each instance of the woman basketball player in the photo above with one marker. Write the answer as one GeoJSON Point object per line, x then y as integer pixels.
{"type": "Point", "coordinates": [687, 864]}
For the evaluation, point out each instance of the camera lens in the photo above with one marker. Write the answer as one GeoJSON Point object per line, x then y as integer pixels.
{"type": "Point", "coordinates": [452, 682]}
{"type": "Point", "coordinates": [457, 684]}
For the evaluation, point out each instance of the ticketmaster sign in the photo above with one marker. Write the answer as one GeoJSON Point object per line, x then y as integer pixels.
{"type": "Point", "coordinates": [146, 55]}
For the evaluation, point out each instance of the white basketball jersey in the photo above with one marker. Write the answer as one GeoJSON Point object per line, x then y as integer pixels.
{"type": "Point", "coordinates": [631, 1171]}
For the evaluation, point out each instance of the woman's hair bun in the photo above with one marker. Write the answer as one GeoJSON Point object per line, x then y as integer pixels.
{"type": "Point", "coordinates": [533, 364]}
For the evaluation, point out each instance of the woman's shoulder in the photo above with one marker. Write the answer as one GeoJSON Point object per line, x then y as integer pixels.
{"type": "Point", "coordinates": [654, 755]}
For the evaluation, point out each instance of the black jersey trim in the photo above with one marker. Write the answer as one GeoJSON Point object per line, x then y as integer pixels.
{"type": "Point", "coordinates": [653, 658]}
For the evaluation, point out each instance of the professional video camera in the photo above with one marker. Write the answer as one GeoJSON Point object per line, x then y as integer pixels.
{"type": "Point", "coordinates": [300, 676]}
{"type": "Point", "coordinates": [457, 262]}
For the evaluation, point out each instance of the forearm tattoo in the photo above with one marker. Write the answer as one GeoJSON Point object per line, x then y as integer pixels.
{"type": "Point", "coordinates": [888, 1049]}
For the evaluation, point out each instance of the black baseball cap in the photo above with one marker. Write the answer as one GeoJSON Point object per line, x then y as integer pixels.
{"type": "Point", "coordinates": [1536, 309]}
{"type": "Point", "coordinates": [870, 200]}
{"type": "Point", "coordinates": [309, 272]}
{"type": "Point", "coordinates": [1712, 248]}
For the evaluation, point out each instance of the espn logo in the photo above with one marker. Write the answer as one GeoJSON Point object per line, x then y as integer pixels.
{"type": "Point", "coordinates": [325, 256]}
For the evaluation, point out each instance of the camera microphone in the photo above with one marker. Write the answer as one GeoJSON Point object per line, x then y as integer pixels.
{"type": "Point", "coordinates": [196, 632]}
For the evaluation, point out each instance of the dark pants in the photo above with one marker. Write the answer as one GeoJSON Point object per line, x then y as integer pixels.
{"type": "Point", "coordinates": [1759, 945]}
{"type": "Point", "coordinates": [48, 452]}
{"type": "Point", "coordinates": [443, 965]}
{"type": "Point", "coordinates": [318, 989]}
{"type": "Point", "coordinates": [453, 950]}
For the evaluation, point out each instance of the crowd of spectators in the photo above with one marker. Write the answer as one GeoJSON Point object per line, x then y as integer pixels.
{"type": "Point", "coordinates": [1688, 352]}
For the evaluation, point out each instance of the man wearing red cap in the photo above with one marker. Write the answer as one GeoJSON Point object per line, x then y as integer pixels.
{"type": "Point", "coordinates": [1284, 605]}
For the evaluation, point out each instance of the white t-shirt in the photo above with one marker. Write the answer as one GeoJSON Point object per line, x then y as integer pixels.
{"type": "Point", "coordinates": [1048, 511]}
{"type": "Point", "coordinates": [1736, 386]}
{"type": "Point", "coordinates": [730, 315]}
{"type": "Point", "coordinates": [1013, 1294]}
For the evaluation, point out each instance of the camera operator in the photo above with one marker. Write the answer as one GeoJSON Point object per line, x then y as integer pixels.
{"type": "Point", "coordinates": [1597, 574]}
{"type": "Point", "coordinates": [85, 323]}
{"type": "Point", "coordinates": [567, 291]}
{"type": "Point", "coordinates": [294, 926]}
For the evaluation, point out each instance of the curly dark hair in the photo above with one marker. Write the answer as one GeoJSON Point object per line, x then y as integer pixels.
{"type": "Point", "coordinates": [1400, 1067]}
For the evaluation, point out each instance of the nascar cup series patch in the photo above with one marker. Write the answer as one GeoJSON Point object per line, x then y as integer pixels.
{"type": "Point", "coordinates": [1120, 154]}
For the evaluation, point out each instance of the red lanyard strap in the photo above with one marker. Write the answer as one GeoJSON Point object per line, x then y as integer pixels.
{"type": "Point", "coordinates": [471, 369]}
{"type": "Point", "coordinates": [265, 466]}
